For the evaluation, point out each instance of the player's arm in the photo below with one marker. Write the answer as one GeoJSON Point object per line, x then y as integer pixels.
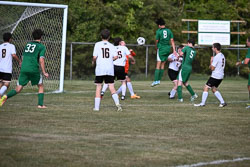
{"type": "Point", "coordinates": [42, 65]}
{"type": "Point", "coordinates": [17, 59]}
{"type": "Point", "coordinates": [131, 58]}
{"type": "Point", "coordinates": [244, 62]}
{"type": "Point", "coordinates": [170, 58]}
{"type": "Point", "coordinates": [94, 60]}
{"type": "Point", "coordinates": [173, 45]}
{"type": "Point", "coordinates": [156, 42]}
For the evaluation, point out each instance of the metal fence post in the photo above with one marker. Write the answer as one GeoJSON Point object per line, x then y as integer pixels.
{"type": "Point", "coordinates": [70, 68]}
{"type": "Point", "coordinates": [146, 70]}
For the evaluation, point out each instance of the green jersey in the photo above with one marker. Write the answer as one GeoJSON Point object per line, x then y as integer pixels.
{"type": "Point", "coordinates": [188, 57]}
{"type": "Point", "coordinates": [31, 55]}
{"type": "Point", "coordinates": [248, 56]}
{"type": "Point", "coordinates": [163, 35]}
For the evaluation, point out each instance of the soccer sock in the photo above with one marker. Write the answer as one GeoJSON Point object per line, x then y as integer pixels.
{"type": "Point", "coordinates": [124, 89]}
{"type": "Point", "coordinates": [40, 99]}
{"type": "Point", "coordinates": [179, 92]}
{"type": "Point", "coordinates": [189, 88]}
{"type": "Point", "coordinates": [130, 88]}
{"type": "Point", "coordinates": [104, 88]}
{"type": "Point", "coordinates": [119, 90]}
{"type": "Point", "coordinates": [157, 72]}
{"type": "Point", "coordinates": [3, 90]}
{"type": "Point", "coordinates": [204, 97]}
{"type": "Point", "coordinates": [219, 97]}
{"type": "Point", "coordinates": [172, 93]}
{"type": "Point", "coordinates": [115, 98]}
{"type": "Point", "coordinates": [161, 74]}
{"type": "Point", "coordinates": [97, 103]}
{"type": "Point", "coordinates": [11, 93]}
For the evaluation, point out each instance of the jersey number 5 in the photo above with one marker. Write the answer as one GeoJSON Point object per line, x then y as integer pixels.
{"type": "Point", "coordinates": [191, 54]}
{"type": "Point", "coordinates": [30, 48]}
{"type": "Point", "coordinates": [119, 54]}
{"type": "Point", "coordinates": [105, 52]}
{"type": "Point", "coordinates": [3, 53]}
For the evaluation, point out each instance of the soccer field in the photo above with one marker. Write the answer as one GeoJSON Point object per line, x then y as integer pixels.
{"type": "Point", "coordinates": [151, 131]}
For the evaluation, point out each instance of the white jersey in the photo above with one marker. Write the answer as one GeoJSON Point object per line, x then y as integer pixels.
{"type": "Point", "coordinates": [6, 52]}
{"type": "Point", "coordinates": [122, 52]}
{"type": "Point", "coordinates": [175, 64]}
{"type": "Point", "coordinates": [104, 51]}
{"type": "Point", "coordinates": [219, 64]}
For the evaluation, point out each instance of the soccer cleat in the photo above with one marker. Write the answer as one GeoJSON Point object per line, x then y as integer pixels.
{"type": "Point", "coordinates": [135, 97]}
{"type": "Point", "coordinates": [199, 105]}
{"type": "Point", "coordinates": [154, 84]}
{"type": "Point", "coordinates": [180, 100]}
{"type": "Point", "coordinates": [42, 107]}
{"type": "Point", "coordinates": [248, 107]}
{"type": "Point", "coordinates": [94, 109]}
{"type": "Point", "coordinates": [119, 107]}
{"type": "Point", "coordinates": [3, 100]}
{"type": "Point", "coordinates": [171, 97]}
{"type": "Point", "coordinates": [123, 97]}
{"type": "Point", "coordinates": [169, 93]}
{"type": "Point", "coordinates": [223, 105]}
{"type": "Point", "coordinates": [195, 96]}
{"type": "Point", "coordinates": [102, 94]}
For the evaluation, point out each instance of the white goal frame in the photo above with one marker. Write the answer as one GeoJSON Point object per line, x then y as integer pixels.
{"type": "Point", "coordinates": [65, 16]}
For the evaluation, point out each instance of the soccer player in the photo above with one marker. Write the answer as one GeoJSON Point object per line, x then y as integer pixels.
{"type": "Point", "coordinates": [188, 53]}
{"type": "Point", "coordinates": [173, 69]}
{"type": "Point", "coordinates": [163, 36]}
{"type": "Point", "coordinates": [103, 55]}
{"type": "Point", "coordinates": [246, 61]}
{"type": "Point", "coordinates": [7, 52]}
{"type": "Point", "coordinates": [33, 55]}
{"type": "Point", "coordinates": [217, 66]}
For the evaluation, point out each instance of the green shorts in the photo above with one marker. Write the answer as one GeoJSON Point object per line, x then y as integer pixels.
{"type": "Point", "coordinates": [249, 79]}
{"type": "Point", "coordinates": [184, 75]}
{"type": "Point", "coordinates": [25, 77]}
{"type": "Point", "coordinates": [163, 53]}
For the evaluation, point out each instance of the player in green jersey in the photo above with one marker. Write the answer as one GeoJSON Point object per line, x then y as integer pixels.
{"type": "Point", "coordinates": [163, 37]}
{"type": "Point", "coordinates": [33, 56]}
{"type": "Point", "coordinates": [246, 61]}
{"type": "Point", "coordinates": [188, 53]}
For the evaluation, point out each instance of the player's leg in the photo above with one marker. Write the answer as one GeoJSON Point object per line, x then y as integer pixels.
{"type": "Point", "coordinates": [157, 69]}
{"type": "Point", "coordinates": [173, 77]}
{"type": "Point", "coordinates": [104, 88]}
{"type": "Point", "coordinates": [131, 90]}
{"type": "Point", "coordinates": [10, 94]}
{"type": "Point", "coordinates": [174, 89]}
{"type": "Point", "coordinates": [98, 83]}
{"type": "Point", "coordinates": [204, 96]}
{"type": "Point", "coordinates": [217, 93]}
{"type": "Point", "coordinates": [110, 81]}
{"type": "Point", "coordinates": [161, 70]}
{"type": "Point", "coordinates": [41, 93]}
{"type": "Point", "coordinates": [179, 90]}
{"type": "Point", "coordinates": [5, 79]}
{"type": "Point", "coordinates": [123, 89]}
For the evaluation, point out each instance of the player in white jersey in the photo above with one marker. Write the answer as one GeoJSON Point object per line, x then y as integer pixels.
{"type": "Point", "coordinates": [103, 55]}
{"type": "Point", "coordinates": [7, 52]}
{"type": "Point", "coordinates": [173, 70]}
{"type": "Point", "coordinates": [217, 67]}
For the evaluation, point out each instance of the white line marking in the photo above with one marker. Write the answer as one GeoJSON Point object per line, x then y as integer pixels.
{"type": "Point", "coordinates": [215, 162]}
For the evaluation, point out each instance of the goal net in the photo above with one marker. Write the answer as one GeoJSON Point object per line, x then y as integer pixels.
{"type": "Point", "coordinates": [21, 19]}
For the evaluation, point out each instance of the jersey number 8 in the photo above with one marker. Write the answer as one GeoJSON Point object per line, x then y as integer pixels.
{"type": "Point", "coordinates": [3, 53]}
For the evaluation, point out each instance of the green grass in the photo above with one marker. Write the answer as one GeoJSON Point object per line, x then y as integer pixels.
{"type": "Point", "coordinates": [151, 131]}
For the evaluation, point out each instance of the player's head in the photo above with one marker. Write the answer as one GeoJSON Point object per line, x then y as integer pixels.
{"type": "Point", "coordinates": [117, 41]}
{"type": "Point", "coordinates": [216, 46]}
{"type": "Point", "coordinates": [180, 47]}
{"type": "Point", "coordinates": [123, 43]}
{"type": "Point", "coordinates": [7, 36]}
{"type": "Point", "coordinates": [37, 34]}
{"type": "Point", "coordinates": [191, 42]}
{"type": "Point", "coordinates": [105, 34]}
{"type": "Point", "coordinates": [160, 22]}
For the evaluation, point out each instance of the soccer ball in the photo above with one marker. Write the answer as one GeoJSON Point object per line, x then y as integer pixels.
{"type": "Point", "coordinates": [141, 41]}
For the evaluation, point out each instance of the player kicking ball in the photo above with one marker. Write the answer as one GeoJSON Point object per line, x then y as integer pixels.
{"type": "Point", "coordinates": [217, 67]}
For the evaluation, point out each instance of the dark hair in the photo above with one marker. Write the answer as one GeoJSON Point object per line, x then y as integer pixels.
{"type": "Point", "coordinates": [160, 21]}
{"type": "Point", "coordinates": [37, 34]}
{"type": "Point", "coordinates": [217, 46]}
{"type": "Point", "coordinates": [7, 36]}
{"type": "Point", "coordinates": [105, 34]}
{"type": "Point", "coordinates": [117, 41]}
{"type": "Point", "coordinates": [192, 41]}
{"type": "Point", "coordinates": [180, 47]}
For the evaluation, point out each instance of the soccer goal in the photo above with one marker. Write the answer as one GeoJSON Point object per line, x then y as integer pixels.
{"type": "Point", "coordinates": [21, 19]}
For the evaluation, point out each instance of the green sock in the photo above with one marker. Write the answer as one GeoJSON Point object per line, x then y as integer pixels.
{"type": "Point", "coordinates": [157, 72]}
{"type": "Point", "coordinates": [11, 93]}
{"type": "Point", "coordinates": [40, 99]}
{"type": "Point", "coordinates": [161, 73]}
{"type": "Point", "coordinates": [179, 92]}
{"type": "Point", "coordinates": [189, 88]}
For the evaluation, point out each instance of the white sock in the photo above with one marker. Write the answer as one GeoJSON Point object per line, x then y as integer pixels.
{"type": "Point", "coordinates": [172, 93]}
{"type": "Point", "coordinates": [104, 88]}
{"type": "Point", "coordinates": [115, 98]}
{"type": "Point", "coordinates": [204, 98]}
{"type": "Point", "coordinates": [130, 88]}
{"type": "Point", "coordinates": [97, 103]}
{"type": "Point", "coordinates": [3, 90]}
{"type": "Point", "coordinates": [119, 90]}
{"type": "Point", "coordinates": [124, 90]}
{"type": "Point", "coordinates": [219, 97]}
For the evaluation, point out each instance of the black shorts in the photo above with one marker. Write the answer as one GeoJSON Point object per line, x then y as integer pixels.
{"type": "Point", "coordinates": [212, 82]}
{"type": "Point", "coordinates": [120, 72]}
{"type": "Point", "coordinates": [5, 76]}
{"type": "Point", "coordinates": [172, 74]}
{"type": "Point", "coordinates": [108, 79]}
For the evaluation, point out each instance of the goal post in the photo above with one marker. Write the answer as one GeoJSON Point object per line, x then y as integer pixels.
{"type": "Point", "coordinates": [21, 18]}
